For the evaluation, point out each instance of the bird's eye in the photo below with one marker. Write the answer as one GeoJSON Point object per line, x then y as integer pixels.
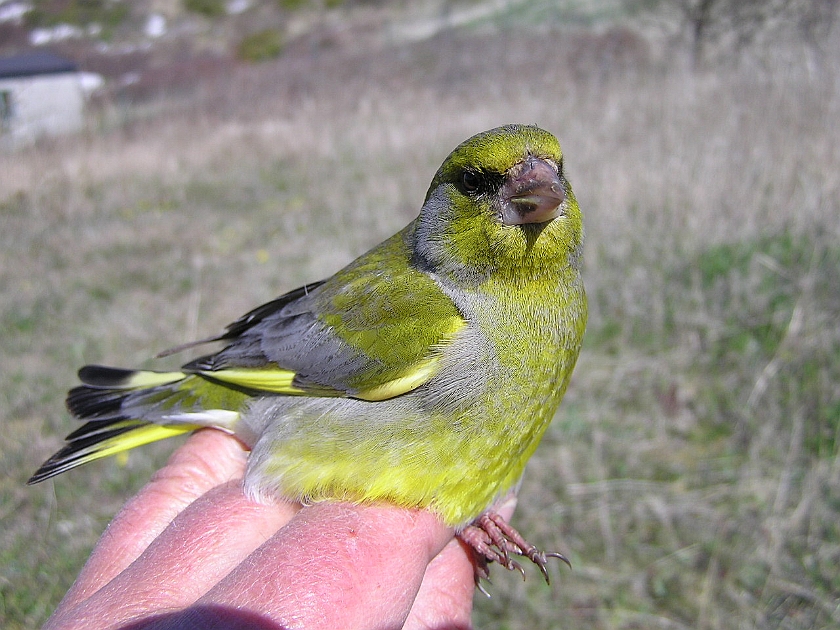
{"type": "Point", "coordinates": [471, 181]}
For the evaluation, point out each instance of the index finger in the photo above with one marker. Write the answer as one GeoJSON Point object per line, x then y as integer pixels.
{"type": "Point", "coordinates": [208, 459]}
{"type": "Point", "coordinates": [336, 565]}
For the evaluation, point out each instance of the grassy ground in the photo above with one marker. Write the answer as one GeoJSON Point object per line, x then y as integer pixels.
{"type": "Point", "coordinates": [693, 471]}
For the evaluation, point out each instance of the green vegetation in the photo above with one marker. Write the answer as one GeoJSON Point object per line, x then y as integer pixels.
{"type": "Point", "coordinates": [261, 46]}
{"type": "Point", "coordinates": [692, 474]}
{"type": "Point", "coordinates": [108, 14]}
{"type": "Point", "coordinates": [207, 8]}
{"type": "Point", "coordinates": [292, 5]}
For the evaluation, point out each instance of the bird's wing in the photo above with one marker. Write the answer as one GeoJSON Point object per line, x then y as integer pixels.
{"type": "Point", "coordinates": [373, 331]}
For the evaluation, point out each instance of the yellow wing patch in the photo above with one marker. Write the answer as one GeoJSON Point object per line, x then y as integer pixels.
{"type": "Point", "coordinates": [147, 379]}
{"type": "Point", "coordinates": [382, 386]}
{"type": "Point", "coordinates": [144, 434]}
{"type": "Point", "coordinates": [402, 384]}
{"type": "Point", "coordinates": [274, 381]}
{"type": "Point", "coordinates": [420, 372]}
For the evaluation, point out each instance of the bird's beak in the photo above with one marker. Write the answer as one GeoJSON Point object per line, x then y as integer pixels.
{"type": "Point", "coordinates": [532, 193]}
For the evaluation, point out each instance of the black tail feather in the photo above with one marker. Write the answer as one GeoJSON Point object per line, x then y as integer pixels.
{"type": "Point", "coordinates": [77, 451]}
{"type": "Point", "coordinates": [104, 376]}
{"type": "Point", "coordinates": [89, 402]}
{"type": "Point", "coordinates": [96, 428]}
{"type": "Point", "coordinates": [122, 409]}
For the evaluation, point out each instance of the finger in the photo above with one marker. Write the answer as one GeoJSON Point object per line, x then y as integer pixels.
{"type": "Point", "coordinates": [208, 458]}
{"type": "Point", "coordinates": [446, 595]}
{"type": "Point", "coordinates": [336, 565]}
{"type": "Point", "coordinates": [201, 545]}
{"type": "Point", "coordinates": [506, 506]}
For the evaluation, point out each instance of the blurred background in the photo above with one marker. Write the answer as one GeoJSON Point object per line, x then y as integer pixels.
{"type": "Point", "coordinates": [209, 155]}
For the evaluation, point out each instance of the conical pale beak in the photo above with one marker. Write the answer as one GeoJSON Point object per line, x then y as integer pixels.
{"type": "Point", "coordinates": [532, 193]}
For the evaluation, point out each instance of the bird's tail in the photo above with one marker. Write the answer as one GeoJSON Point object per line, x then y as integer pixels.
{"type": "Point", "coordinates": [127, 408]}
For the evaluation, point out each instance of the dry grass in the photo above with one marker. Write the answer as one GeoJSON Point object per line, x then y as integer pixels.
{"type": "Point", "coordinates": [693, 472]}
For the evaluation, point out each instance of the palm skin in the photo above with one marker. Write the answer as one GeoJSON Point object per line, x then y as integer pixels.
{"type": "Point", "coordinates": [423, 374]}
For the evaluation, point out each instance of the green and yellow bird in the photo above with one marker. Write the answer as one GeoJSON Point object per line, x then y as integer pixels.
{"type": "Point", "coordinates": [423, 374]}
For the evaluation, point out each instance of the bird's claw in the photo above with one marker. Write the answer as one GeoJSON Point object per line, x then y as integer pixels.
{"type": "Point", "coordinates": [492, 539]}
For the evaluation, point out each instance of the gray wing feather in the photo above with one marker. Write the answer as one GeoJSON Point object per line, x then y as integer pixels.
{"type": "Point", "coordinates": [290, 338]}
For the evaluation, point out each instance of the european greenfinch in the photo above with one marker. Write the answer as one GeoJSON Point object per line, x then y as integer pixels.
{"type": "Point", "coordinates": [423, 374]}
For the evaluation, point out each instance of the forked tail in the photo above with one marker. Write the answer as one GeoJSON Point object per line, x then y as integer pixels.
{"type": "Point", "coordinates": [124, 409]}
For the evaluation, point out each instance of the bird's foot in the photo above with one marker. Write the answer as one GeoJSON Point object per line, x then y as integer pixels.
{"type": "Point", "coordinates": [492, 539]}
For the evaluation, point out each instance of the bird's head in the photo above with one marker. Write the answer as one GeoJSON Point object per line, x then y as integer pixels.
{"type": "Point", "coordinates": [500, 202]}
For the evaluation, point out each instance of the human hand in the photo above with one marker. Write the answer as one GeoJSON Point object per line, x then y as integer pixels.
{"type": "Point", "coordinates": [191, 551]}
